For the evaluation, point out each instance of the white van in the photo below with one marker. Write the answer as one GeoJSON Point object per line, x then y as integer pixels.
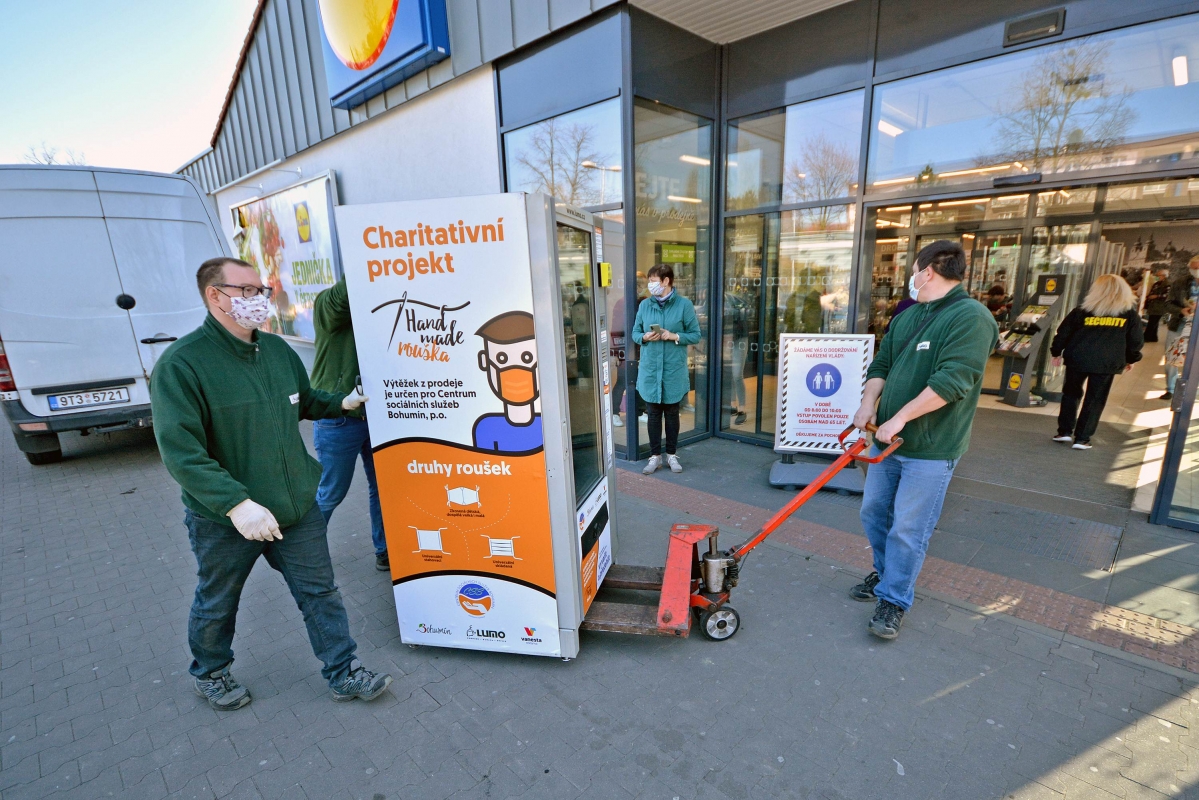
{"type": "Point", "coordinates": [97, 278]}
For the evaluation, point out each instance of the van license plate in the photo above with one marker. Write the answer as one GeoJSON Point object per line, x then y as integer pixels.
{"type": "Point", "coordinates": [95, 397]}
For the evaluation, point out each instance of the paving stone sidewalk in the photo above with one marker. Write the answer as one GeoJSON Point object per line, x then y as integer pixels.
{"type": "Point", "coordinates": [96, 579]}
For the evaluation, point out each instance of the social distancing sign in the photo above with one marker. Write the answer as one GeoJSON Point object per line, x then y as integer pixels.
{"type": "Point", "coordinates": [821, 378]}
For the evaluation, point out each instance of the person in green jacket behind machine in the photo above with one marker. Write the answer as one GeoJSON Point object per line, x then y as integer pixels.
{"type": "Point", "coordinates": [227, 401]}
{"type": "Point", "coordinates": [665, 325]}
{"type": "Point", "coordinates": [341, 440]}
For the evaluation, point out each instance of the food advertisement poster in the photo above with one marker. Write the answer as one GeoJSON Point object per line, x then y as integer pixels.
{"type": "Point", "coordinates": [821, 379]}
{"type": "Point", "coordinates": [288, 237]}
{"type": "Point", "coordinates": [441, 297]}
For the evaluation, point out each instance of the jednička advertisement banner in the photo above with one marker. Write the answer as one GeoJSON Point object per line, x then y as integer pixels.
{"type": "Point", "coordinates": [289, 239]}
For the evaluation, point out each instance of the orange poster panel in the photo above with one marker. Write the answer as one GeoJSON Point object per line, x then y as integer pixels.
{"type": "Point", "coordinates": [452, 508]}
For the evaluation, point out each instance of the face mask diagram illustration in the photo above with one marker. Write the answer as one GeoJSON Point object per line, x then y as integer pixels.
{"type": "Point", "coordinates": [462, 496]}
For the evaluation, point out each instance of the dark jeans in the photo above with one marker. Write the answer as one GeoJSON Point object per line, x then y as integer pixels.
{"type": "Point", "coordinates": [655, 412]}
{"type": "Point", "coordinates": [1151, 322]}
{"type": "Point", "coordinates": [225, 559]}
{"type": "Point", "coordinates": [338, 444]}
{"type": "Point", "coordinates": [1083, 426]}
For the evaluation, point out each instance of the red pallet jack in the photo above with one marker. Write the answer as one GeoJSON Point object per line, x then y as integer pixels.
{"type": "Point", "coordinates": [698, 581]}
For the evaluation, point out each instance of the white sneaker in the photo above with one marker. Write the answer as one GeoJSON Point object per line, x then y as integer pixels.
{"type": "Point", "coordinates": [617, 422]}
{"type": "Point", "coordinates": [643, 418]}
{"type": "Point", "coordinates": [1082, 445]}
{"type": "Point", "coordinates": [673, 461]}
{"type": "Point", "coordinates": [652, 465]}
{"type": "Point", "coordinates": [1065, 437]}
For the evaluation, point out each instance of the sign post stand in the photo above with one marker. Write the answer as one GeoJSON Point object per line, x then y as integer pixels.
{"type": "Point", "coordinates": [821, 379]}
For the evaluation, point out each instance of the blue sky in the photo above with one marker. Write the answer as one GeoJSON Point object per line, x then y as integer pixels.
{"type": "Point", "coordinates": [129, 83]}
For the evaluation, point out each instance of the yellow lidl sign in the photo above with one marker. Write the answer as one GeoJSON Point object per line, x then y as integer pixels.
{"type": "Point", "coordinates": [373, 45]}
{"type": "Point", "coordinates": [1013, 382]}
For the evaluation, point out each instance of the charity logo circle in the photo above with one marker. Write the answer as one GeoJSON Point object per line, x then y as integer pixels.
{"type": "Point", "coordinates": [474, 598]}
{"type": "Point", "coordinates": [823, 380]}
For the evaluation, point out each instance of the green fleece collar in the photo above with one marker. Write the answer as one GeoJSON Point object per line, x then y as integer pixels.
{"type": "Point", "coordinates": [227, 341]}
{"type": "Point", "coordinates": [954, 292]}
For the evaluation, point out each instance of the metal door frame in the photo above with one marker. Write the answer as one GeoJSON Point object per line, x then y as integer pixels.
{"type": "Point", "coordinates": [1183, 405]}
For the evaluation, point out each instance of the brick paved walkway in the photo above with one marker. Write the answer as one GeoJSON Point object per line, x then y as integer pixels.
{"type": "Point", "coordinates": [96, 579]}
{"type": "Point", "coordinates": [1131, 631]}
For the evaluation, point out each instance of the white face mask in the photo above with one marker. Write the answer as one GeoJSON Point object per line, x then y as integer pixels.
{"type": "Point", "coordinates": [249, 312]}
{"type": "Point", "coordinates": [655, 288]}
{"type": "Point", "coordinates": [913, 290]}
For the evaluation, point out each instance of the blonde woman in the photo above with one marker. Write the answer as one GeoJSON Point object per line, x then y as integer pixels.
{"type": "Point", "coordinates": [1097, 341]}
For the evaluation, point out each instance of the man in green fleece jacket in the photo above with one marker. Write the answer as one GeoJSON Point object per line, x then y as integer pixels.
{"type": "Point", "coordinates": [227, 401]}
{"type": "Point", "coordinates": [340, 441]}
{"type": "Point", "coordinates": [924, 383]}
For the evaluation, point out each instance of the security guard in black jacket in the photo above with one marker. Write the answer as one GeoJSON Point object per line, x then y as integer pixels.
{"type": "Point", "coordinates": [1097, 340]}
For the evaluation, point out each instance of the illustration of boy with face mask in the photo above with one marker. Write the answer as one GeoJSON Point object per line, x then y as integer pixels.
{"type": "Point", "coordinates": [509, 357]}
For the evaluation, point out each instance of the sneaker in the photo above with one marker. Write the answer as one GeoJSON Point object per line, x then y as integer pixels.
{"type": "Point", "coordinates": [887, 620]}
{"type": "Point", "coordinates": [652, 465]}
{"type": "Point", "coordinates": [673, 461]}
{"type": "Point", "coordinates": [864, 591]}
{"type": "Point", "coordinates": [361, 684]}
{"type": "Point", "coordinates": [222, 692]}
{"type": "Point", "coordinates": [1167, 396]}
{"type": "Point", "coordinates": [1081, 446]}
{"type": "Point", "coordinates": [643, 418]}
{"type": "Point", "coordinates": [740, 418]}
{"type": "Point", "coordinates": [1063, 437]}
{"type": "Point", "coordinates": [382, 563]}
{"type": "Point", "coordinates": [617, 422]}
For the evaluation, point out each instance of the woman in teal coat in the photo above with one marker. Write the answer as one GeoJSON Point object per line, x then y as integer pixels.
{"type": "Point", "coordinates": [666, 324]}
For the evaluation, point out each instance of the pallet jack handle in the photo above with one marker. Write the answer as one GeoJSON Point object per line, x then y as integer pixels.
{"type": "Point", "coordinates": [848, 454]}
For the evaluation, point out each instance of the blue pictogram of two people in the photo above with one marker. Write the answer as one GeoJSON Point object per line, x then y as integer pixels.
{"type": "Point", "coordinates": [824, 380]}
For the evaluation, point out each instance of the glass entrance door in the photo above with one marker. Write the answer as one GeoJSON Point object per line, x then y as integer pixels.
{"type": "Point", "coordinates": [576, 279]}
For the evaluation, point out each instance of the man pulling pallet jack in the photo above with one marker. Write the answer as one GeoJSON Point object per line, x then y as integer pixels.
{"type": "Point", "coordinates": [924, 382]}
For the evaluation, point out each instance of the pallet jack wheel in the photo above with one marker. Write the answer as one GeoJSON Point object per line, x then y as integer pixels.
{"type": "Point", "coordinates": [720, 624]}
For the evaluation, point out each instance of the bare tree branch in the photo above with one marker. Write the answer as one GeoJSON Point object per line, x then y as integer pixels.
{"type": "Point", "coordinates": [48, 154]}
{"type": "Point", "coordinates": [1065, 111]}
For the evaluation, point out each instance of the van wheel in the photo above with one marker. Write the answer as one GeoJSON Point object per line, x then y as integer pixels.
{"type": "Point", "coordinates": [48, 457]}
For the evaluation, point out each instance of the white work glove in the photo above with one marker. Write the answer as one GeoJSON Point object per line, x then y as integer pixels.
{"type": "Point", "coordinates": [353, 400]}
{"type": "Point", "coordinates": [254, 522]}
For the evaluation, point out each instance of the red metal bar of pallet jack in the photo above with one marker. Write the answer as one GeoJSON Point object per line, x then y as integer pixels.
{"type": "Point", "coordinates": [680, 583]}
{"type": "Point", "coordinates": [848, 455]}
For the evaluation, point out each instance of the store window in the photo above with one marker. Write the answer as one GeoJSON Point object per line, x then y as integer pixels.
{"type": "Point", "coordinates": [1155, 194]}
{"type": "Point", "coordinates": [1130, 97]}
{"type": "Point", "coordinates": [785, 272]}
{"type": "Point", "coordinates": [574, 157]}
{"type": "Point", "coordinates": [805, 153]}
{"type": "Point", "coordinates": [1066, 201]}
{"type": "Point", "coordinates": [673, 180]}
{"type": "Point", "coordinates": [1012, 206]}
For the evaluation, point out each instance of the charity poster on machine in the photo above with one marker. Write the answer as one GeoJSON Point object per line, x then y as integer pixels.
{"type": "Point", "coordinates": [821, 380]}
{"type": "Point", "coordinates": [441, 297]}
{"type": "Point", "coordinates": [288, 236]}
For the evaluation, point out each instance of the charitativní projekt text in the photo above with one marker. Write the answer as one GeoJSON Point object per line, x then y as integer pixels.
{"type": "Point", "coordinates": [409, 265]}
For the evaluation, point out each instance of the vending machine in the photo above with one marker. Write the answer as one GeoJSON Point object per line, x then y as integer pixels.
{"type": "Point", "coordinates": [482, 333]}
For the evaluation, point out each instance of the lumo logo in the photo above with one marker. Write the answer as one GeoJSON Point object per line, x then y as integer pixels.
{"type": "Point", "coordinates": [479, 633]}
